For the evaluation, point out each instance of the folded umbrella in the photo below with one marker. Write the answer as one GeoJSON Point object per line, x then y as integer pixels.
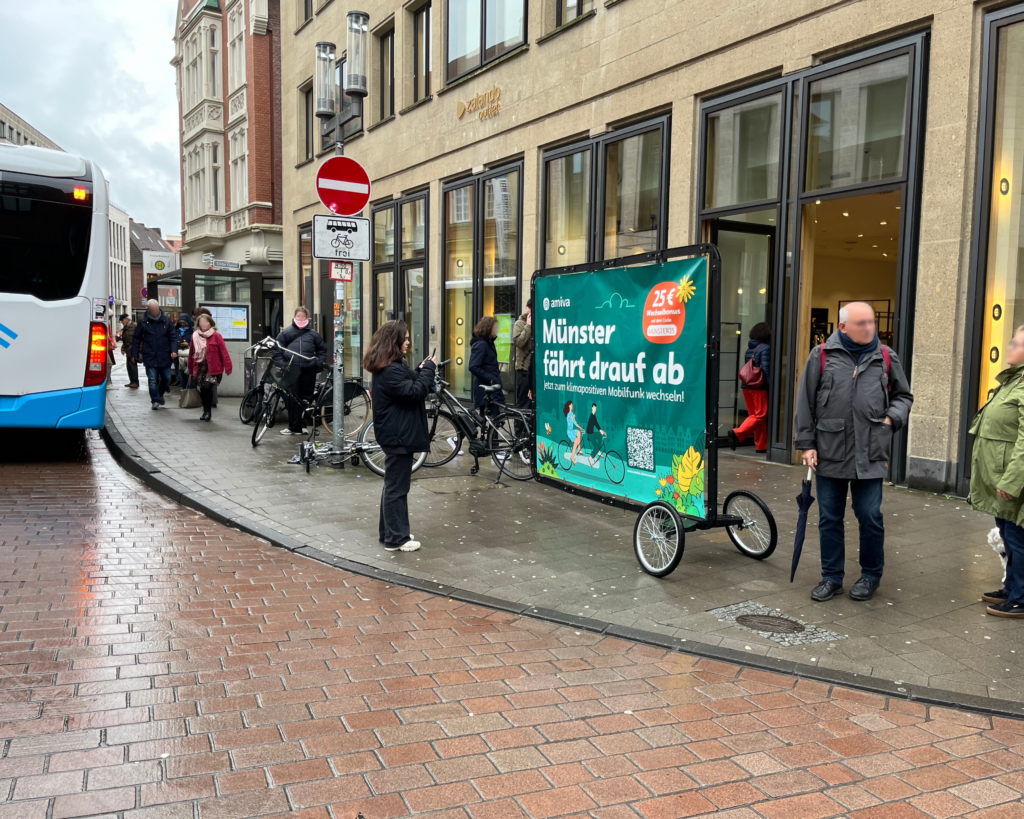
{"type": "Point", "coordinates": [804, 502]}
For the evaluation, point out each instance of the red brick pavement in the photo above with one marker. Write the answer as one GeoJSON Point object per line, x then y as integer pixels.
{"type": "Point", "coordinates": [157, 665]}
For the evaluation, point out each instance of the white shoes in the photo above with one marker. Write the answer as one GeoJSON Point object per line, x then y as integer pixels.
{"type": "Point", "coordinates": [408, 546]}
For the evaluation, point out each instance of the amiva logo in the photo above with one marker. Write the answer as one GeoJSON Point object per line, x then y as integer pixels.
{"type": "Point", "coordinates": [551, 303]}
{"type": "Point", "coordinates": [9, 333]}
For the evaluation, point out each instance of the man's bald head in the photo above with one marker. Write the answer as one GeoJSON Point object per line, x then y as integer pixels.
{"type": "Point", "coordinates": [857, 320]}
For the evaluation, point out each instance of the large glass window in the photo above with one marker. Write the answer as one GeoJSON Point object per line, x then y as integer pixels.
{"type": "Point", "coordinates": [568, 209]}
{"type": "Point", "coordinates": [632, 203]}
{"type": "Point", "coordinates": [400, 280]}
{"type": "Point", "coordinates": [857, 125]}
{"type": "Point", "coordinates": [1004, 271]}
{"type": "Point", "coordinates": [306, 267]}
{"type": "Point", "coordinates": [421, 54]}
{"type": "Point", "coordinates": [501, 256]}
{"type": "Point", "coordinates": [502, 24]}
{"type": "Point", "coordinates": [458, 284]}
{"type": "Point", "coordinates": [743, 153]}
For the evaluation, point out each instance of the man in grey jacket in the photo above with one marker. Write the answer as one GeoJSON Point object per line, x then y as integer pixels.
{"type": "Point", "coordinates": [853, 396]}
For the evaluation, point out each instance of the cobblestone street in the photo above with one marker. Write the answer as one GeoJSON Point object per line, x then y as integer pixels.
{"type": "Point", "coordinates": [158, 665]}
{"type": "Point", "coordinates": [539, 547]}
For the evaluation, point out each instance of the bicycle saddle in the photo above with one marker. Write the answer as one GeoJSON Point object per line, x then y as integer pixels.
{"type": "Point", "coordinates": [491, 388]}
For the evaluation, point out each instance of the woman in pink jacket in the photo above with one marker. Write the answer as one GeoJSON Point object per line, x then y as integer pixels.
{"type": "Point", "coordinates": [208, 360]}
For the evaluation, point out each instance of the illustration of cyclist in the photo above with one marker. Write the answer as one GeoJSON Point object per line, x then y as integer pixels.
{"type": "Point", "coordinates": [595, 436]}
{"type": "Point", "coordinates": [573, 431]}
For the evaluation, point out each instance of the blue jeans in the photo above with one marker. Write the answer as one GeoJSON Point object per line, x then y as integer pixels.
{"type": "Point", "coordinates": [1013, 539]}
{"type": "Point", "coordinates": [159, 381]}
{"type": "Point", "coordinates": [867, 506]}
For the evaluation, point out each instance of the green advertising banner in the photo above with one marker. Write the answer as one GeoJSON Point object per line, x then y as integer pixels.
{"type": "Point", "coordinates": [621, 381]}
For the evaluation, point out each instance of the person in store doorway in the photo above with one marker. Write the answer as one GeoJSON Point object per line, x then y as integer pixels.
{"type": "Point", "coordinates": [126, 336]}
{"type": "Point", "coordinates": [997, 475]}
{"type": "Point", "coordinates": [300, 338]}
{"type": "Point", "coordinates": [853, 396]}
{"type": "Point", "coordinates": [399, 425]}
{"type": "Point", "coordinates": [754, 379]}
{"type": "Point", "coordinates": [522, 340]}
{"type": "Point", "coordinates": [208, 361]}
{"type": "Point", "coordinates": [156, 343]}
{"type": "Point", "coordinates": [483, 362]}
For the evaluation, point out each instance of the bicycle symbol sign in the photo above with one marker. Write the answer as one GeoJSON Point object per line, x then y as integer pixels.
{"type": "Point", "coordinates": [341, 237]}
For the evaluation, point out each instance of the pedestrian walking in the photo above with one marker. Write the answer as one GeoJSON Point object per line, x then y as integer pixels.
{"type": "Point", "coordinates": [126, 336]}
{"type": "Point", "coordinates": [185, 326]}
{"type": "Point", "coordinates": [754, 378]}
{"type": "Point", "coordinates": [853, 396]}
{"type": "Point", "coordinates": [399, 425]}
{"type": "Point", "coordinates": [204, 311]}
{"type": "Point", "coordinates": [208, 361]}
{"type": "Point", "coordinates": [997, 475]}
{"type": "Point", "coordinates": [156, 343]}
{"type": "Point", "coordinates": [299, 337]}
{"type": "Point", "coordinates": [522, 339]}
{"type": "Point", "coordinates": [483, 361]}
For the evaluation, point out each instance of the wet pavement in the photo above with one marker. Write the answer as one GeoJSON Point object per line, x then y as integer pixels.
{"type": "Point", "coordinates": [155, 664]}
{"type": "Point", "coordinates": [532, 544]}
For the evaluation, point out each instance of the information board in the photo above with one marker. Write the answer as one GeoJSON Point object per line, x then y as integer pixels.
{"type": "Point", "coordinates": [232, 320]}
{"type": "Point", "coordinates": [621, 381]}
{"type": "Point", "coordinates": [344, 238]}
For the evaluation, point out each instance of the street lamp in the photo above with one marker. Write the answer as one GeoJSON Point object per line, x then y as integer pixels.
{"type": "Point", "coordinates": [334, 116]}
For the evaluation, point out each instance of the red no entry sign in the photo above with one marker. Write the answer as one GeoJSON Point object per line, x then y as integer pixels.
{"type": "Point", "coordinates": [343, 185]}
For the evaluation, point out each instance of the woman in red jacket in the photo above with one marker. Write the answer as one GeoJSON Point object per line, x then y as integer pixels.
{"type": "Point", "coordinates": [208, 360]}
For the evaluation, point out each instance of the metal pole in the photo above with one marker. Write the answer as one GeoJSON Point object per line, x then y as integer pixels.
{"type": "Point", "coordinates": [338, 438]}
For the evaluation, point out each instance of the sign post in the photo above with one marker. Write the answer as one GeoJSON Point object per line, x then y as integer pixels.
{"type": "Point", "coordinates": [343, 186]}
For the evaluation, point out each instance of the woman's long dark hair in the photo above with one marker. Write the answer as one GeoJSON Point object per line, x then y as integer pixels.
{"type": "Point", "coordinates": [484, 326]}
{"type": "Point", "coordinates": [761, 332]}
{"type": "Point", "coordinates": [385, 346]}
{"type": "Point", "coordinates": [565, 409]}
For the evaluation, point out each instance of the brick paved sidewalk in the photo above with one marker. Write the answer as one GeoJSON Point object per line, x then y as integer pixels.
{"type": "Point", "coordinates": [537, 546]}
{"type": "Point", "coordinates": [157, 665]}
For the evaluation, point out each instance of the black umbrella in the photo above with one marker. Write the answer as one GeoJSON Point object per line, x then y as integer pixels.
{"type": "Point", "coordinates": [804, 501]}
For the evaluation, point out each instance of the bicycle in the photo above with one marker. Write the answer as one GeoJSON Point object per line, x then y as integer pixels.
{"type": "Point", "coordinates": [280, 387]}
{"type": "Point", "coordinates": [502, 433]}
{"type": "Point", "coordinates": [341, 240]}
{"type": "Point", "coordinates": [357, 406]}
{"type": "Point", "coordinates": [614, 467]}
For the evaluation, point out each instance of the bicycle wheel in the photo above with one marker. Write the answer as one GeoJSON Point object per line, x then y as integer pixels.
{"type": "Point", "coordinates": [373, 456]}
{"type": "Point", "coordinates": [446, 439]}
{"type": "Point", "coordinates": [614, 468]}
{"type": "Point", "coordinates": [251, 405]}
{"type": "Point", "coordinates": [510, 450]}
{"type": "Point", "coordinates": [758, 535]}
{"type": "Point", "coordinates": [357, 409]}
{"type": "Point", "coordinates": [564, 450]}
{"type": "Point", "coordinates": [262, 424]}
{"type": "Point", "coordinates": [658, 539]}
{"type": "Point", "coordinates": [273, 404]}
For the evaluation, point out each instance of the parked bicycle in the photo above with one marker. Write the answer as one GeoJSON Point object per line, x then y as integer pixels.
{"type": "Point", "coordinates": [503, 434]}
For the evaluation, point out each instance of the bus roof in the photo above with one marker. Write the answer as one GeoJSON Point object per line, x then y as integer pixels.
{"type": "Point", "coordinates": [43, 162]}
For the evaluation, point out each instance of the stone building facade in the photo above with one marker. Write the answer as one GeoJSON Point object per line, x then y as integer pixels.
{"type": "Point", "coordinates": [119, 251]}
{"type": "Point", "coordinates": [833, 151]}
{"type": "Point", "coordinates": [18, 131]}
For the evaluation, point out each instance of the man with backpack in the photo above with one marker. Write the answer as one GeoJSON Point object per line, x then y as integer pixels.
{"type": "Point", "coordinates": [853, 396]}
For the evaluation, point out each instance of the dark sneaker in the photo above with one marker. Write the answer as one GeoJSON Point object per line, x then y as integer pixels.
{"type": "Point", "coordinates": [1006, 609]}
{"type": "Point", "coordinates": [826, 590]}
{"type": "Point", "coordinates": [733, 440]}
{"type": "Point", "coordinates": [997, 596]}
{"type": "Point", "coordinates": [864, 589]}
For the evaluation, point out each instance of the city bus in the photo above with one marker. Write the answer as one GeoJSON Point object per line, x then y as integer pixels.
{"type": "Point", "coordinates": [53, 290]}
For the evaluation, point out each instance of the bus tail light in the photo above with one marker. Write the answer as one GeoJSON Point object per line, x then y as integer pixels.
{"type": "Point", "coordinates": [96, 363]}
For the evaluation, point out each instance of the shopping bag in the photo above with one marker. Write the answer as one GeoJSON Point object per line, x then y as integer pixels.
{"type": "Point", "coordinates": [189, 398]}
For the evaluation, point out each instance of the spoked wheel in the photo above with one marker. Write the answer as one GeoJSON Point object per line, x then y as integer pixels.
{"type": "Point", "coordinates": [658, 539]}
{"type": "Point", "coordinates": [564, 451]}
{"type": "Point", "coordinates": [614, 468]}
{"type": "Point", "coordinates": [357, 409]}
{"type": "Point", "coordinates": [373, 455]}
{"type": "Point", "coordinates": [272, 405]}
{"type": "Point", "coordinates": [446, 441]}
{"type": "Point", "coordinates": [757, 536]}
{"type": "Point", "coordinates": [511, 451]}
{"type": "Point", "coordinates": [251, 405]}
{"type": "Point", "coordinates": [262, 424]}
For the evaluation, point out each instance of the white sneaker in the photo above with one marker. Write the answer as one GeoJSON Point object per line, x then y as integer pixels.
{"type": "Point", "coordinates": [408, 546]}
{"type": "Point", "coordinates": [287, 431]}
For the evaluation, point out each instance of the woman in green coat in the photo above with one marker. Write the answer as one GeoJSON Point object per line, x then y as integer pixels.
{"type": "Point", "coordinates": [997, 474]}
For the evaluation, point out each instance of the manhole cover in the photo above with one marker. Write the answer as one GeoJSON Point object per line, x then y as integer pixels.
{"type": "Point", "coordinates": [769, 623]}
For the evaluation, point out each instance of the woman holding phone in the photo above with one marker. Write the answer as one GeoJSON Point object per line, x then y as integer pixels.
{"type": "Point", "coordinates": [399, 425]}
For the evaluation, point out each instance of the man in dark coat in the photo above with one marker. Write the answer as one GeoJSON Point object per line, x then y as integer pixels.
{"type": "Point", "coordinates": [853, 396]}
{"type": "Point", "coordinates": [299, 337]}
{"type": "Point", "coordinates": [157, 339]}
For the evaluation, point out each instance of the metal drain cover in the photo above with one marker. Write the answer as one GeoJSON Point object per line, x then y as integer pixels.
{"type": "Point", "coordinates": [770, 623]}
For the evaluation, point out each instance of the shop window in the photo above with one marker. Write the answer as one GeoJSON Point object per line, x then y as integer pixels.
{"type": "Point", "coordinates": [857, 125]}
{"type": "Point", "coordinates": [500, 25]}
{"type": "Point", "coordinates": [743, 153]}
{"type": "Point", "coordinates": [400, 282]}
{"type": "Point", "coordinates": [421, 54]}
{"type": "Point", "coordinates": [624, 214]}
{"type": "Point", "coordinates": [306, 267]}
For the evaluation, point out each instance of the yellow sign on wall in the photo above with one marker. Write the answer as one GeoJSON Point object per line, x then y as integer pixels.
{"type": "Point", "coordinates": [485, 105]}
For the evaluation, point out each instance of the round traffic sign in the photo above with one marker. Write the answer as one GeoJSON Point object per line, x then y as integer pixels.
{"type": "Point", "coordinates": [343, 185]}
{"type": "Point", "coordinates": [143, 292]}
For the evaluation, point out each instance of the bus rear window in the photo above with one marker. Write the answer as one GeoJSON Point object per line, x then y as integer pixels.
{"type": "Point", "coordinates": [44, 247]}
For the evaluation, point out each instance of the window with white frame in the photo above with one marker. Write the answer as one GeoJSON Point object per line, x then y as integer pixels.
{"type": "Point", "coordinates": [214, 45]}
{"type": "Point", "coordinates": [215, 176]}
{"type": "Point", "coordinates": [239, 170]}
{"type": "Point", "coordinates": [236, 47]}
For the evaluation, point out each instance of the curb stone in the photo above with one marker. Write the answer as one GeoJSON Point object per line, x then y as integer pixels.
{"type": "Point", "coordinates": [152, 477]}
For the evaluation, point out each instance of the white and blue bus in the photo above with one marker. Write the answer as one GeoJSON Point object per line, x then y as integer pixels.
{"type": "Point", "coordinates": [53, 290]}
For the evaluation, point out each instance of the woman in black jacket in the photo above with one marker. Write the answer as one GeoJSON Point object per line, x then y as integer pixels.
{"type": "Point", "coordinates": [299, 337]}
{"type": "Point", "coordinates": [399, 425]}
{"type": "Point", "coordinates": [483, 361]}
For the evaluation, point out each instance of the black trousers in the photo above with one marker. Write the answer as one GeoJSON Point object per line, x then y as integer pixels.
{"type": "Point", "coordinates": [523, 389]}
{"type": "Point", "coordinates": [394, 499]}
{"type": "Point", "coordinates": [304, 389]}
{"type": "Point", "coordinates": [133, 371]}
{"type": "Point", "coordinates": [206, 394]}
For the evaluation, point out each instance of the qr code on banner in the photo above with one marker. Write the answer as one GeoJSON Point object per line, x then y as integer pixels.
{"type": "Point", "coordinates": [640, 448]}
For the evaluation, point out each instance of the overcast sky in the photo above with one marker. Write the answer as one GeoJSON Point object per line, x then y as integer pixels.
{"type": "Point", "coordinates": [95, 77]}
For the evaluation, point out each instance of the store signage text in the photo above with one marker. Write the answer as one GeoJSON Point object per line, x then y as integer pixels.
{"type": "Point", "coordinates": [485, 105]}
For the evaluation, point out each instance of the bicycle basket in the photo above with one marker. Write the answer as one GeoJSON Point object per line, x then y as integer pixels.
{"type": "Point", "coordinates": [285, 376]}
